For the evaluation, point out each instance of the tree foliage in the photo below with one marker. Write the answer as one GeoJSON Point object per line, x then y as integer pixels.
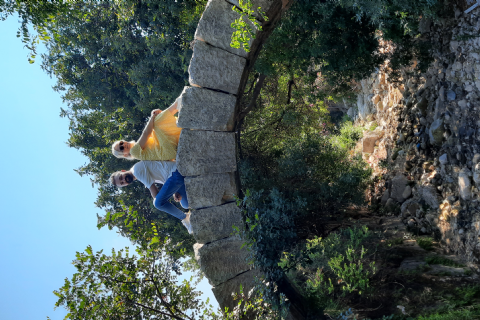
{"type": "Point", "coordinates": [114, 62]}
{"type": "Point", "coordinates": [37, 14]}
{"type": "Point", "coordinates": [130, 286]}
{"type": "Point", "coordinates": [339, 38]}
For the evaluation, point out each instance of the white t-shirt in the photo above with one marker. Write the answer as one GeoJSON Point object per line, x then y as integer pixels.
{"type": "Point", "coordinates": [148, 172]}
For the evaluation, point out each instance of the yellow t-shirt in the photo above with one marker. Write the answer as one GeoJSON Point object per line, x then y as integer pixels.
{"type": "Point", "coordinates": [162, 142]}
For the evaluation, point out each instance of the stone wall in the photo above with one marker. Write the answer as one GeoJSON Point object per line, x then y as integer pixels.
{"type": "Point", "coordinates": [426, 147]}
{"type": "Point", "coordinates": [207, 151]}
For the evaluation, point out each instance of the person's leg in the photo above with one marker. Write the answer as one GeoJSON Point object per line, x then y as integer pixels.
{"type": "Point", "coordinates": [172, 185]}
{"type": "Point", "coordinates": [183, 193]}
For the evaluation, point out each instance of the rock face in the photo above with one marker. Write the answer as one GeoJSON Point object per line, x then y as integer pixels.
{"type": "Point", "coordinates": [215, 68]}
{"type": "Point", "coordinates": [203, 109]}
{"type": "Point", "coordinates": [210, 190]}
{"type": "Point", "coordinates": [215, 223]}
{"type": "Point", "coordinates": [215, 28]}
{"type": "Point", "coordinates": [204, 152]}
{"type": "Point", "coordinates": [431, 135]}
{"type": "Point", "coordinates": [369, 140]}
{"type": "Point", "coordinates": [222, 260]}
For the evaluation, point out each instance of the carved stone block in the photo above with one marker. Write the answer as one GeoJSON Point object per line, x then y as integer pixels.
{"type": "Point", "coordinates": [205, 109]}
{"type": "Point", "coordinates": [210, 190]}
{"type": "Point", "coordinates": [215, 28]}
{"type": "Point", "coordinates": [222, 260]}
{"type": "Point", "coordinates": [223, 292]}
{"type": "Point", "coordinates": [215, 68]}
{"type": "Point", "coordinates": [204, 152]}
{"type": "Point", "coordinates": [215, 223]}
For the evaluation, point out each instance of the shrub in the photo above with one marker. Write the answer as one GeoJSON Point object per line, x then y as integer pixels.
{"type": "Point", "coordinates": [327, 268]}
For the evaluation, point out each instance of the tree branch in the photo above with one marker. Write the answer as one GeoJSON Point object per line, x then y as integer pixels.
{"type": "Point", "coordinates": [253, 82]}
{"type": "Point", "coordinates": [158, 311]}
{"type": "Point", "coordinates": [291, 82]}
{"type": "Point", "coordinates": [256, 93]}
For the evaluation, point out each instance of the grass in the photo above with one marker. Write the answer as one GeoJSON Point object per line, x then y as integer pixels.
{"type": "Point", "coordinates": [425, 243]}
{"type": "Point", "coordinates": [462, 314]}
{"type": "Point", "coordinates": [395, 242]}
{"type": "Point", "coordinates": [443, 261]}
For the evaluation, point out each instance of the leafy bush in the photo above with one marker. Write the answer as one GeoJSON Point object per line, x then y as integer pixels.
{"type": "Point", "coordinates": [325, 269]}
{"type": "Point", "coordinates": [348, 135]}
{"type": "Point", "coordinates": [425, 243]}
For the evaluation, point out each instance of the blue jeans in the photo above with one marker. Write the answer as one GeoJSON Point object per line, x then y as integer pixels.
{"type": "Point", "coordinates": [173, 184]}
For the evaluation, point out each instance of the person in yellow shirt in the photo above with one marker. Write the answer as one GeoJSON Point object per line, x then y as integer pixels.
{"type": "Point", "coordinates": [158, 141]}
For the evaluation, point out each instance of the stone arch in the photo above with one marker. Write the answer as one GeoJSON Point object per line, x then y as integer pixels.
{"type": "Point", "coordinates": [207, 150]}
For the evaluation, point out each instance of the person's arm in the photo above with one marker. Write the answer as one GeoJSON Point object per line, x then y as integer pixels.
{"type": "Point", "coordinates": [153, 191]}
{"type": "Point", "coordinates": [147, 131]}
{"type": "Point", "coordinates": [173, 108]}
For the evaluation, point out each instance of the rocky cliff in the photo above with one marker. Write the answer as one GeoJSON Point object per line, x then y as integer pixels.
{"type": "Point", "coordinates": [425, 146]}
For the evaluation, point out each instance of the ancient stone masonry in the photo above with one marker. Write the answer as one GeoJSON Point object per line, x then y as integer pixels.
{"type": "Point", "coordinates": [206, 151]}
{"type": "Point", "coordinates": [427, 143]}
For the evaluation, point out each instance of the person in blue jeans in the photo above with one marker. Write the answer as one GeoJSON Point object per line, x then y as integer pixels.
{"type": "Point", "coordinates": [163, 172]}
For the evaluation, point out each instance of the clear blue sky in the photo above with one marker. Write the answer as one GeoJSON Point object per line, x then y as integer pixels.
{"type": "Point", "coordinates": [47, 210]}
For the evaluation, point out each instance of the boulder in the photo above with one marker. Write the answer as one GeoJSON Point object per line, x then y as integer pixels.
{"type": "Point", "coordinates": [436, 132]}
{"type": "Point", "coordinates": [409, 208]}
{"type": "Point", "coordinates": [464, 185]}
{"type": "Point", "coordinates": [204, 152]}
{"type": "Point", "coordinates": [476, 158]}
{"type": "Point", "coordinates": [215, 68]}
{"type": "Point", "coordinates": [215, 223]}
{"type": "Point", "coordinates": [390, 205]}
{"type": "Point", "coordinates": [476, 175]}
{"type": "Point", "coordinates": [209, 190]}
{"type": "Point", "coordinates": [424, 25]}
{"type": "Point", "coordinates": [407, 192]}
{"type": "Point", "coordinates": [215, 28]}
{"type": "Point", "coordinates": [443, 159]}
{"type": "Point", "coordinates": [385, 197]}
{"type": "Point", "coordinates": [205, 109]}
{"type": "Point", "coordinates": [222, 260]}
{"type": "Point", "coordinates": [451, 95]}
{"type": "Point", "coordinates": [429, 195]}
{"type": "Point", "coordinates": [224, 292]}
{"type": "Point", "coordinates": [422, 105]}
{"type": "Point", "coordinates": [399, 183]}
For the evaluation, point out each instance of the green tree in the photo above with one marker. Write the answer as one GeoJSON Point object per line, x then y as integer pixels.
{"type": "Point", "coordinates": [339, 38]}
{"type": "Point", "coordinates": [114, 62]}
{"type": "Point", "coordinates": [125, 286]}
{"type": "Point", "coordinates": [36, 14]}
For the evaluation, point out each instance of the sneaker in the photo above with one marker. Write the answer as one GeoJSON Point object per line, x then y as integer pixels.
{"type": "Point", "coordinates": [187, 224]}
